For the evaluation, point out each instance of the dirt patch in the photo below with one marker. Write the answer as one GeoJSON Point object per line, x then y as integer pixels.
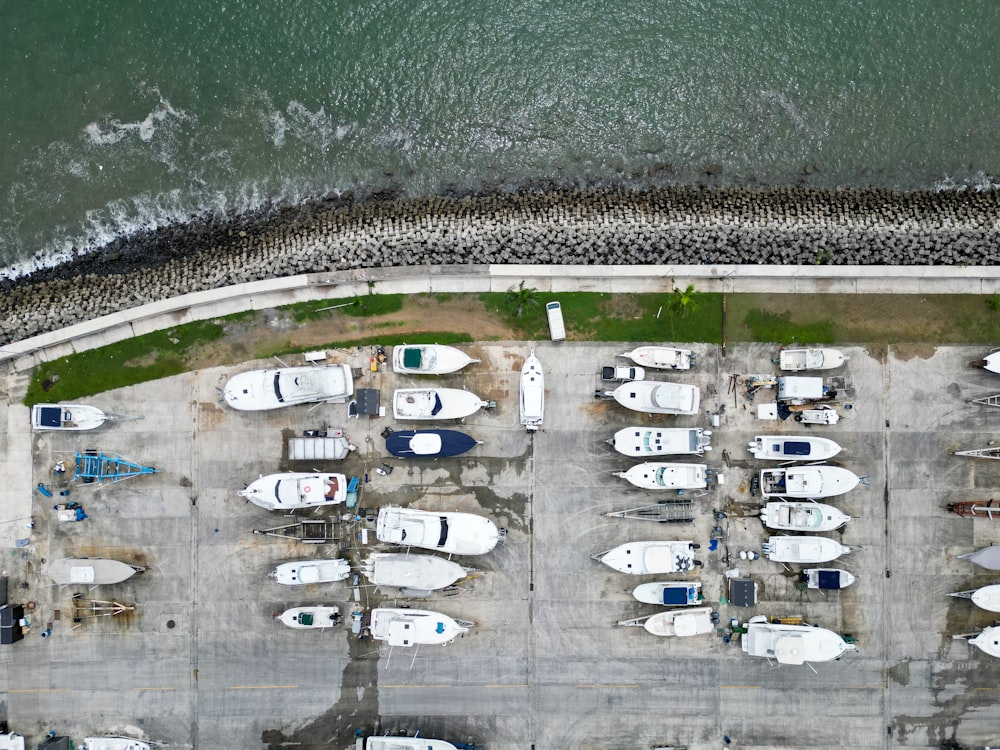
{"type": "Point", "coordinates": [904, 352]}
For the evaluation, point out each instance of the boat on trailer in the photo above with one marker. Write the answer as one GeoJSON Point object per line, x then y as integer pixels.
{"type": "Point", "coordinates": [667, 441]}
{"type": "Point", "coordinates": [987, 640]}
{"type": "Point", "coordinates": [532, 393]}
{"type": "Point", "coordinates": [95, 466]}
{"type": "Point", "coordinates": [976, 509]}
{"type": "Point", "coordinates": [807, 481]}
{"type": "Point", "coordinates": [662, 357]}
{"type": "Point", "coordinates": [669, 593]}
{"type": "Point", "coordinates": [667, 476]}
{"type": "Point", "coordinates": [990, 363]}
{"type": "Point", "coordinates": [803, 549]}
{"type": "Point", "coordinates": [986, 597]}
{"type": "Point", "coordinates": [90, 570]}
{"type": "Point", "coordinates": [429, 359]}
{"type": "Point", "coordinates": [676, 622]}
{"type": "Point", "coordinates": [826, 579]}
{"type": "Point", "coordinates": [70, 417]}
{"type": "Point", "coordinates": [785, 515]}
{"type": "Point", "coordinates": [793, 448]}
{"type": "Point", "coordinates": [797, 360]}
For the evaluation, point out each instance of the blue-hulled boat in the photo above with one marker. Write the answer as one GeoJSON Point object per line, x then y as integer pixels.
{"type": "Point", "coordinates": [429, 443]}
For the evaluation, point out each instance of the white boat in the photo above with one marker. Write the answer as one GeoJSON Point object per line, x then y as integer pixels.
{"type": "Point", "coordinates": [414, 627]}
{"type": "Point", "coordinates": [987, 640]}
{"type": "Point", "coordinates": [803, 549]}
{"type": "Point", "coordinates": [304, 572]}
{"type": "Point", "coordinates": [991, 362]}
{"type": "Point", "coordinates": [826, 578]}
{"type": "Point", "coordinates": [792, 644]}
{"type": "Point", "coordinates": [428, 359]}
{"type": "Point", "coordinates": [788, 515]}
{"type": "Point", "coordinates": [669, 593]}
{"type": "Point", "coordinates": [259, 390]}
{"type": "Point", "coordinates": [295, 490]}
{"type": "Point", "coordinates": [661, 357]}
{"type": "Point", "coordinates": [90, 570]}
{"type": "Point", "coordinates": [658, 397]}
{"type": "Point", "coordinates": [114, 743]}
{"type": "Point", "coordinates": [532, 393]}
{"type": "Point", "coordinates": [641, 558]}
{"type": "Point", "coordinates": [793, 448]}
{"type": "Point", "coordinates": [66, 417]}
{"type": "Point", "coordinates": [387, 742]}
{"type": "Point", "coordinates": [987, 597]}
{"type": "Point", "coordinates": [669, 441]}
{"type": "Point", "coordinates": [13, 741]}
{"type": "Point", "coordinates": [797, 360]}
{"type": "Point", "coordinates": [807, 481]}
{"type": "Point", "coordinates": [987, 557]}
{"type": "Point", "coordinates": [449, 532]}
{"type": "Point", "coordinates": [676, 622]}
{"type": "Point", "coordinates": [819, 415]}
{"type": "Point", "coordinates": [665, 476]}
{"type": "Point", "coordinates": [417, 574]}
{"type": "Point", "coordinates": [435, 403]}
{"type": "Point", "coordinates": [306, 618]}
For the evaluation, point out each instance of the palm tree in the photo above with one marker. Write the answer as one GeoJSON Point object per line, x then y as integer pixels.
{"type": "Point", "coordinates": [521, 300]}
{"type": "Point", "coordinates": [683, 303]}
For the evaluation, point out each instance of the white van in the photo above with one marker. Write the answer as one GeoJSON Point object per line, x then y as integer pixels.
{"type": "Point", "coordinates": [557, 328]}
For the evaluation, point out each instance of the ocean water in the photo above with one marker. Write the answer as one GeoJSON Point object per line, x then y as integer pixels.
{"type": "Point", "coordinates": [116, 116]}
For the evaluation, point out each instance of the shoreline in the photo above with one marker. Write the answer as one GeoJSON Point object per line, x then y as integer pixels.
{"type": "Point", "coordinates": [540, 225]}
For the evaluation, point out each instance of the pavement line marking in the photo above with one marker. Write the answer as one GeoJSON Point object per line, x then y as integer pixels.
{"type": "Point", "coordinates": [605, 687]}
{"type": "Point", "coordinates": [739, 687]}
{"type": "Point", "coordinates": [154, 688]}
{"type": "Point", "coordinates": [263, 687]}
{"type": "Point", "coordinates": [40, 690]}
{"type": "Point", "coordinates": [507, 685]}
{"type": "Point", "coordinates": [412, 687]}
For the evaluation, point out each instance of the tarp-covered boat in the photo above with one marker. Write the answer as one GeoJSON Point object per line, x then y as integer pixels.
{"type": "Point", "coordinates": [417, 573]}
{"type": "Point", "coordinates": [429, 443]}
{"type": "Point", "coordinates": [90, 570]}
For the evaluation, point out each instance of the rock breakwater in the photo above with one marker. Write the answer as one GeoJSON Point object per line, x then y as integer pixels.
{"type": "Point", "coordinates": [676, 225]}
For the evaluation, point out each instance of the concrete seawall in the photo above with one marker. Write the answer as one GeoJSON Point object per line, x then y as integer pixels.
{"type": "Point", "coordinates": [665, 227]}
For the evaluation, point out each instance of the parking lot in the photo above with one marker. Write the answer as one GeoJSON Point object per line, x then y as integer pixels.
{"type": "Point", "coordinates": [202, 663]}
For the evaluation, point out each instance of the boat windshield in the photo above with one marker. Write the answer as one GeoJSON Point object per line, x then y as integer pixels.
{"type": "Point", "coordinates": [277, 388]}
{"type": "Point", "coordinates": [437, 404]}
{"type": "Point", "coordinates": [442, 540]}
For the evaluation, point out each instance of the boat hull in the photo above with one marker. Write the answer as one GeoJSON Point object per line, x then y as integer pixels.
{"type": "Point", "coordinates": [532, 394]}
{"type": "Point", "coordinates": [803, 549]}
{"type": "Point", "coordinates": [403, 743]}
{"type": "Point", "coordinates": [987, 557]}
{"type": "Point", "coordinates": [305, 572]}
{"type": "Point", "coordinates": [988, 598]}
{"type": "Point", "coordinates": [446, 532]}
{"type": "Point", "coordinates": [415, 572]}
{"type": "Point", "coordinates": [72, 417]}
{"type": "Point", "coordinates": [414, 627]}
{"type": "Point", "coordinates": [310, 618]}
{"type": "Point", "coordinates": [792, 644]}
{"type": "Point", "coordinates": [830, 579]}
{"type": "Point", "coordinates": [658, 397]}
{"type": "Point", "coordinates": [666, 476]}
{"type": "Point", "coordinates": [429, 443]}
{"type": "Point", "coordinates": [793, 448]}
{"type": "Point", "coordinates": [429, 359]}
{"type": "Point", "coordinates": [661, 357]}
{"type": "Point", "coordinates": [89, 570]}
{"type": "Point", "coordinates": [669, 593]}
{"type": "Point", "coordinates": [296, 490]}
{"type": "Point", "coordinates": [807, 482]}
{"type": "Point", "coordinates": [263, 390]}
{"type": "Point", "coordinates": [682, 623]}
{"type": "Point", "coordinates": [811, 517]}
{"type": "Point", "coordinates": [419, 404]}
{"type": "Point", "coordinates": [114, 743]}
{"type": "Point", "coordinates": [641, 558]}
{"type": "Point", "coordinates": [800, 360]}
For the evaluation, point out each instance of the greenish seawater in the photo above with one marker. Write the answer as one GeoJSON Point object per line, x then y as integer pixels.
{"type": "Point", "coordinates": [116, 115]}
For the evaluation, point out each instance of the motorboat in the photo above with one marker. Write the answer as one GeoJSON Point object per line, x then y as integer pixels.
{"type": "Point", "coordinates": [793, 448]}
{"type": "Point", "coordinates": [666, 476]}
{"type": "Point", "coordinates": [656, 397]}
{"type": "Point", "coordinates": [114, 743]}
{"type": "Point", "coordinates": [826, 579]}
{"type": "Point", "coordinates": [90, 570]}
{"type": "Point", "coordinates": [387, 742]}
{"type": "Point", "coordinates": [314, 617]}
{"type": "Point", "coordinates": [986, 597]}
{"type": "Point", "coordinates": [792, 644]}
{"type": "Point", "coordinates": [449, 532]}
{"type": "Point", "coordinates": [661, 357]}
{"type": "Point", "coordinates": [428, 359]}
{"type": "Point", "coordinates": [669, 593]}
{"type": "Point", "coordinates": [294, 490]}
{"type": "Point", "coordinates": [822, 414]}
{"type": "Point", "coordinates": [799, 390]}
{"type": "Point", "coordinates": [987, 557]}
{"type": "Point", "coordinates": [669, 441]}
{"type": "Point", "coordinates": [415, 627]}
{"type": "Point", "coordinates": [532, 393]}
{"type": "Point", "coordinates": [787, 515]}
{"type": "Point", "coordinates": [676, 622]}
{"type": "Point", "coordinates": [807, 481]}
{"type": "Point", "coordinates": [621, 373]}
{"type": "Point", "coordinates": [803, 549]}
{"type": "Point", "coordinates": [66, 417]}
{"type": "Point", "coordinates": [435, 403]}
{"type": "Point", "coordinates": [417, 574]}
{"type": "Point", "coordinates": [990, 363]}
{"type": "Point", "coordinates": [260, 390]}
{"type": "Point", "coordinates": [987, 640]}
{"type": "Point", "coordinates": [797, 360]}
{"type": "Point", "coordinates": [429, 443]}
{"type": "Point", "coordinates": [641, 558]}
{"type": "Point", "coordinates": [13, 741]}
{"type": "Point", "coordinates": [304, 572]}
